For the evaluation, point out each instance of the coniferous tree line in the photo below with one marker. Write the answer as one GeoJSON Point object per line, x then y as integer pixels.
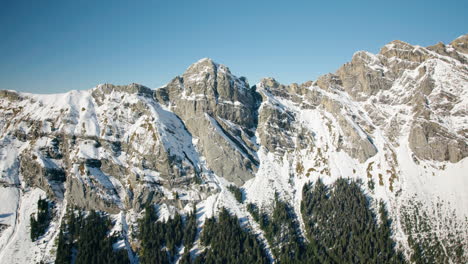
{"type": "Point", "coordinates": [161, 241]}
{"type": "Point", "coordinates": [254, 211]}
{"type": "Point", "coordinates": [339, 223]}
{"type": "Point", "coordinates": [40, 222]}
{"type": "Point", "coordinates": [282, 232]}
{"type": "Point", "coordinates": [428, 246]}
{"type": "Point", "coordinates": [227, 242]}
{"type": "Point", "coordinates": [342, 228]}
{"type": "Point", "coordinates": [86, 239]}
{"type": "Point", "coordinates": [237, 193]}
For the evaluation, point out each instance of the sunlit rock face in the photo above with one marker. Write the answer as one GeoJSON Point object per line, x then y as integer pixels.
{"type": "Point", "coordinates": [396, 121]}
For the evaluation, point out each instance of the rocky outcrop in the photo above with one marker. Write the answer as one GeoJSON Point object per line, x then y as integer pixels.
{"type": "Point", "coordinates": [428, 140]}
{"type": "Point", "coordinates": [144, 195]}
{"type": "Point", "coordinates": [219, 110]}
{"type": "Point", "coordinates": [329, 81]}
{"type": "Point", "coordinates": [207, 121]}
{"type": "Point", "coordinates": [10, 95]}
{"type": "Point", "coordinates": [207, 87]}
{"type": "Point", "coordinates": [384, 75]}
{"type": "Point", "coordinates": [461, 44]}
{"type": "Point", "coordinates": [405, 52]}
{"type": "Point", "coordinates": [364, 76]}
{"type": "Point", "coordinates": [40, 172]}
{"type": "Point", "coordinates": [88, 198]}
{"type": "Point", "coordinates": [278, 128]}
{"type": "Point", "coordinates": [121, 148]}
{"type": "Point", "coordinates": [449, 51]}
{"type": "Point", "coordinates": [102, 90]}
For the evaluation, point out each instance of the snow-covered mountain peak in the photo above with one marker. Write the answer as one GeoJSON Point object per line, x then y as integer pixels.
{"type": "Point", "coordinates": [396, 45]}
{"type": "Point", "coordinates": [208, 71]}
{"type": "Point", "coordinates": [397, 121]}
{"type": "Point", "coordinates": [461, 44]}
{"type": "Point", "coordinates": [203, 62]}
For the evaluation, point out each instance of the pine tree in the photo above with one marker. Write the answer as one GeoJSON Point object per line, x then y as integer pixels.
{"type": "Point", "coordinates": [228, 242]}
{"type": "Point", "coordinates": [63, 250]}
{"type": "Point", "coordinates": [88, 236]}
{"type": "Point", "coordinates": [341, 226]}
{"type": "Point", "coordinates": [40, 221]}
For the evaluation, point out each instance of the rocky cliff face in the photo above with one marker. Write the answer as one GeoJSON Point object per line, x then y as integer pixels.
{"type": "Point", "coordinates": [417, 77]}
{"type": "Point", "coordinates": [397, 119]}
{"type": "Point", "coordinates": [220, 110]}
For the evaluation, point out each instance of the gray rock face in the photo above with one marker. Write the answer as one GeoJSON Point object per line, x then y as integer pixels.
{"type": "Point", "coordinates": [207, 87]}
{"type": "Point", "coordinates": [276, 128]}
{"type": "Point", "coordinates": [450, 51]}
{"type": "Point", "coordinates": [218, 109]}
{"type": "Point", "coordinates": [42, 173]}
{"type": "Point", "coordinates": [359, 147]}
{"type": "Point", "coordinates": [380, 75]}
{"type": "Point", "coordinates": [276, 123]}
{"type": "Point", "coordinates": [10, 95]}
{"type": "Point", "coordinates": [461, 44]}
{"type": "Point", "coordinates": [83, 196]}
{"type": "Point", "coordinates": [122, 147]}
{"type": "Point", "coordinates": [404, 51]}
{"type": "Point", "coordinates": [100, 93]}
{"type": "Point", "coordinates": [429, 140]}
{"type": "Point", "coordinates": [329, 81]}
{"type": "Point", "coordinates": [363, 76]}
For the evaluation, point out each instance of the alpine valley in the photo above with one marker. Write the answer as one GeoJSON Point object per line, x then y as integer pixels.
{"type": "Point", "coordinates": [365, 165]}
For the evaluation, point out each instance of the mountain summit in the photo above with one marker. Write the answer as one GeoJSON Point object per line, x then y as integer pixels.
{"type": "Point", "coordinates": [396, 122]}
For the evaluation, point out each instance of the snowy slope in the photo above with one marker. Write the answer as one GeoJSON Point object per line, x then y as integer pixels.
{"type": "Point", "coordinates": [117, 148]}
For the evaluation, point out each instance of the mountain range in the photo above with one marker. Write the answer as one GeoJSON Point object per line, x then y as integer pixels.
{"type": "Point", "coordinates": [395, 123]}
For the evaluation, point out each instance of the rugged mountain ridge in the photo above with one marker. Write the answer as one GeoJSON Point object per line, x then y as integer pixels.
{"type": "Point", "coordinates": [397, 118]}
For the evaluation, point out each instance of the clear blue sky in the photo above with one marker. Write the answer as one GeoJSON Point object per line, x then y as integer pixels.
{"type": "Point", "coordinates": [54, 46]}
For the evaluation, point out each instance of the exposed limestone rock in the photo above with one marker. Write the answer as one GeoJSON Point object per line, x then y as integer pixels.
{"type": "Point", "coordinates": [145, 194]}
{"type": "Point", "coordinates": [363, 76]}
{"type": "Point", "coordinates": [110, 168]}
{"type": "Point", "coordinates": [276, 124]}
{"type": "Point", "coordinates": [219, 110]}
{"type": "Point", "coordinates": [399, 56]}
{"type": "Point", "coordinates": [10, 95]}
{"type": "Point", "coordinates": [102, 90]}
{"type": "Point", "coordinates": [275, 129]}
{"type": "Point", "coordinates": [357, 146]}
{"type": "Point", "coordinates": [216, 144]}
{"type": "Point", "coordinates": [368, 75]}
{"type": "Point", "coordinates": [210, 88]}
{"type": "Point", "coordinates": [404, 51]}
{"type": "Point", "coordinates": [83, 196]}
{"type": "Point", "coordinates": [461, 44]}
{"type": "Point", "coordinates": [305, 139]}
{"type": "Point", "coordinates": [329, 81]}
{"type": "Point", "coordinates": [449, 51]}
{"type": "Point", "coordinates": [147, 143]}
{"type": "Point", "coordinates": [49, 177]}
{"type": "Point", "coordinates": [393, 130]}
{"type": "Point", "coordinates": [429, 140]}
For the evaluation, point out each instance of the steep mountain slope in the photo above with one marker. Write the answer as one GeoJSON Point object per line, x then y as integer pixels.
{"type": "Point", "coordinates": [396, 120]}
